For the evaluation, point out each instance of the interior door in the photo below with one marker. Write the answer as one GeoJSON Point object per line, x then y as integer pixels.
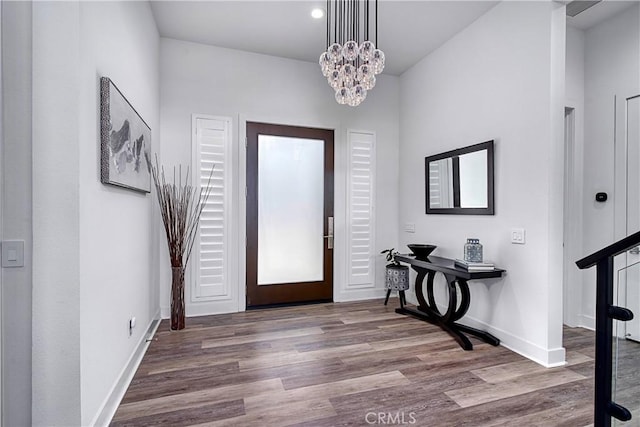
{"type": "Point", "coordinates": [631, 109]}
{"type": "Point", "coordinates": [289, 214]}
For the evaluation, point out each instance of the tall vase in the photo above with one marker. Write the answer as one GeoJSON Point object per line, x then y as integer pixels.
{"type": "Point", "coordinates": [177, 298]}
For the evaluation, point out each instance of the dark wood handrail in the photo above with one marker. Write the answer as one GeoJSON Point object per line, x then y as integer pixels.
{"type": "Point", "coordinates": [606, 311]}
{"type": "Point", "coordinates": [611, 250]}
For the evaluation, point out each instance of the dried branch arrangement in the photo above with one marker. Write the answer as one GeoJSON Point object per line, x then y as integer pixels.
{"type": "Point", "coordinates": [181, 205]}
{"type": "Point", "coordinates": [180, 208]}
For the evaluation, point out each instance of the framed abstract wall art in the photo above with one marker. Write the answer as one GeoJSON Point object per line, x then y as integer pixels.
{"type": "Point", "coordinates": [125, 141]}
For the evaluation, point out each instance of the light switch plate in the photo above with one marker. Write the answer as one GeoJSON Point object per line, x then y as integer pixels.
{"type": "Point", "coordinates": [12, 253]}
{"type": "Point", "coordinates": [409, 227]}
{"type": "Point", "coordinates": [518, 236]}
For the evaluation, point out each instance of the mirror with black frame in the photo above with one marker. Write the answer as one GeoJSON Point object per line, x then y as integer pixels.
{"type": "Point", "coordinates": [461, 181]}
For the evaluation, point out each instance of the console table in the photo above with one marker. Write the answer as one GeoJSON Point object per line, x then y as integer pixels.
{"type": "Point", "coordinates": [457, 278]}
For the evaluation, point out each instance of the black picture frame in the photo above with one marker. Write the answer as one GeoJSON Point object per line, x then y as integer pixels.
{"type": "Point", "coordinates": [125, 141]}
{"type": "Point", "coordinates": [454, 155]}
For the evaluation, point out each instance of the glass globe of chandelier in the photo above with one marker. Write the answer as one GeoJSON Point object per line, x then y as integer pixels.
{"type": "Point", "coordinates": [351, 66]}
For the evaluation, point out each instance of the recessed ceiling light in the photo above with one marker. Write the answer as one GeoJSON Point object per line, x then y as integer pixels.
{"type": "Point", "coordinates": [317, 13]}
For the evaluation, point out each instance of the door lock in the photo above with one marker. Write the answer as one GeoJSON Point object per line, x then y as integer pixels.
{"type": "Point", "coordinates": [329, 235]}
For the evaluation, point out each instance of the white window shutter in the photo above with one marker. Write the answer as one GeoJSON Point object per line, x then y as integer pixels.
{"type": "Point", "coordinates": [212, 149]}
{"type": "Point", "coordinates": [361, 202]}
{"type": "Point", "coordinates": [440, 184]}
{"type": "Point", "coordinates": [434, 185]}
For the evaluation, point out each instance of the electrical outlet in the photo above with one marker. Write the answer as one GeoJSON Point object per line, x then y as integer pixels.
{"type": "Point", "coordinates": [409, 227]}
{"type": "Point", "coordinates": [518, 236]}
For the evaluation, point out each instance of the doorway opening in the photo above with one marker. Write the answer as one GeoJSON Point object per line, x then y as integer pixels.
{"type": "Point", "coordinates": [572, 287]}
{"type": "Point", "coordinates": [627, 169]}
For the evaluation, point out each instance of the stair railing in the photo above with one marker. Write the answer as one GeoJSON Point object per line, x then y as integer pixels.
{"type": "Point", "coordinates": [606, 312]}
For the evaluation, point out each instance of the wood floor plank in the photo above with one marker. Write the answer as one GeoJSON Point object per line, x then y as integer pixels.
{"type": "Point", "coordinates": [567, 416]}
{"type": "Point", "coordinates": [455, 361]}
{"type": "Point", "coordinates": [509, 371]}
{"type": "Point", "coordinates": [422, 402]}
{"type": "Point", "coordinates": [509, 411]}
{"type": "Point", "coordinates": [243, 339]}
{"type": "Point", "coordinates": [160, 352]}
{"type": "Point", "coordinates": [410, 341]}
{"type": "Point", "coordinates": [576, 358]}
{"type": "Point", "coordinates": [401, 324]}
{"type": "Point", "coordinates": [455, 355]}
{"type": "Point", "coordinates": [572, 406]}
{"type": "Point", "coordinates": [441, 381]}
{"type": "Point", "coordinates": [203, 360]}
{"type": "Point", "coordinates": [342, 372]}
{"type": "Point", "coordinates": [413, 349]}
{"type": "Point", "coordinates": [327, 390]}
{"type": "Point", "coordinates": [328, 319]}
{"type": "Point", "coordinates": [585, 368]}
{"type": "Point", "coordinates": [488, 392]}
{"type": "Point", "coordinates": [186, 417]}
{"type": "Point", "coordinates": [372, 317]}
{"type": "Point", "coordinates": [332, 364]}
{"type": "Point", "coordinates": [339, 338]}
{"type": "Point", "coordinates": [159, 405]}
{"type": "Point", "coordinates": [283, 415]}
{"type": "Point", "coordinates": [292, 357]}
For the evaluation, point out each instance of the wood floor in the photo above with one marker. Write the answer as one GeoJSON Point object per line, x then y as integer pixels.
{"type": "Point", "coordinates": [348, 364]}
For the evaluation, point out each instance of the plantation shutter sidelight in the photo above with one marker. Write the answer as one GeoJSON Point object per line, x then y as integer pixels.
{"type": "Point", "coordinates": [211, 264]}
{"type": "Point", "coordinates": [360, 199]}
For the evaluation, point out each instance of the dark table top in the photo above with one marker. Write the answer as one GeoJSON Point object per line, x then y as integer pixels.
{"type": "Point", "coordinates": [446, 265]}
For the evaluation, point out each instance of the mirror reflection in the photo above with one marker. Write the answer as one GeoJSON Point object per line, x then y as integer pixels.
{"type": "Point", "coordinates": [461, 181]}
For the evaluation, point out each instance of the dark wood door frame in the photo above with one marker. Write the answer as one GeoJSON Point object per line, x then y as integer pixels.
{"type": "Point", "coordinates": [289, 292]}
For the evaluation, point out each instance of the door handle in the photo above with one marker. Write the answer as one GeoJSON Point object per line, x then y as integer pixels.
{"type": "Point", "coordinates": [635, 251]}
{"type": "Point", "coordinates": [329, 236]}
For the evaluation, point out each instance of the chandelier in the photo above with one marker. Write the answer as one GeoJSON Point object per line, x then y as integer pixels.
{"type": "Point", "coordinates": [351, 60]}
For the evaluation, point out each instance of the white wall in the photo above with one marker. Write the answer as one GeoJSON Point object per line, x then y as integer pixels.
{"type": "Point", "coordinates": [94, 246]}
{"type": "Point", "coordinates": [118, 242]}
{"type": "Point", "coordinates": [56, 249]}
{"type": "Point", "coordinates": [203, 79]}
{"type": "Point", "coordinates": [575, 66]}
{"type": "Point", "coordinates": [612, 67]}
{"type": "Point", "coordinates": [492, 81]}
{"type": "Point", "coordinates": [16, 211]}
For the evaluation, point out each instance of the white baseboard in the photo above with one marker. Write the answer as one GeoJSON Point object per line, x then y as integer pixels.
{"type": "Point", "coordinates": [411, 298]}
{"type": "Point", "coordinates": [548, 358]}
{"type": "Point", "coordinates": [212, 308]}
{"type": "Point", "coordinates": [588, 322]}
{"type": "Point", "coordinates": [201, 309]}
{"type": "Point", "coordinates": [119, 388]}
{"type": "Point", "coordinates": [358, 294]}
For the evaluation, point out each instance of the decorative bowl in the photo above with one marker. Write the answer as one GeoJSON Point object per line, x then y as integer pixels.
{"type": "Point", "coordinates": [421, 251]}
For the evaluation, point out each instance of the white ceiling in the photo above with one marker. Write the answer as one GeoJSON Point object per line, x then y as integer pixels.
{"type": "Point", "coordinates": [407, 30]}
{"type": "Point", "coordinates": [598, 13]}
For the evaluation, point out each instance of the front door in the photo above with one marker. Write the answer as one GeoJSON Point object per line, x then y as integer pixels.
{"type": "Point", "coordinates": [289, 214]}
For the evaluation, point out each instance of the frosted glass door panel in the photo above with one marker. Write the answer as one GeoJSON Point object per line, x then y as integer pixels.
{"type": "Point", "coordinates": [290, 210]}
